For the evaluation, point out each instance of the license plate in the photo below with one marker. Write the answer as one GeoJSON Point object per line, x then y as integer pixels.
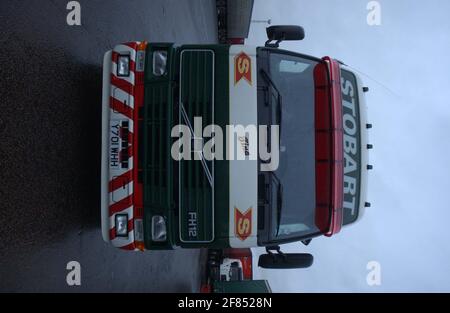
{"type": "Point", "coordinates": [118, 144]}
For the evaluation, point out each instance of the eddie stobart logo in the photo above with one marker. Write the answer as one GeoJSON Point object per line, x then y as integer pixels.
{"type": "Point", "coordinates": [352, 145]}
{"type": "Point", "coordinates": [242, 223]}
{"type": "Point", "coordinates": [242, 68]}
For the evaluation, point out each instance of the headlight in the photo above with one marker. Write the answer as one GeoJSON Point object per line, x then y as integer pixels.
{"type": "Point", "coordinates": [159, 232]}
{"type": "Point", "coordinates": [159, 62]}
{"type": "Point", "coordinates": [122, 225]}
{"type": "Point", "coordinates": [123, 65]}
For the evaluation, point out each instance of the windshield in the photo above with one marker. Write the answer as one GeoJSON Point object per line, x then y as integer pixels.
{"type": "Point", "coordinates": [293, 77]}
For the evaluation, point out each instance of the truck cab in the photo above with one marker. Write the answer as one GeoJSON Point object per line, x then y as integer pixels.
{"type": "Point", "coordinates": [223, 145]}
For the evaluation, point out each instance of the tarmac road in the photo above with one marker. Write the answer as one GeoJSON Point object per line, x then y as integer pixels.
{"type": "Point", "coordinates": [50, 143]}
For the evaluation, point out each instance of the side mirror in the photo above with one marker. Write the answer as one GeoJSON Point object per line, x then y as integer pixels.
{"type": "Point", "coordinates": [279, 33]}
{"type": "Point", "coordinates": [282, 260]}
{"type": "Point", "coordinates": [285, 261]}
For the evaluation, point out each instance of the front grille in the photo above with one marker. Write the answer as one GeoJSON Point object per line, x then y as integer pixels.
{"type": "Point", "coordinates": [196, 194]}
{"type": "Point", "coordinates": [154, 164]}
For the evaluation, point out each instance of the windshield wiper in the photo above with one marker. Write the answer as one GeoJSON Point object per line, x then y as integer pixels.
{"type": "Point", "coordinates": [269, 80]}
{"type": "Point", "coordinates": [279, 200]}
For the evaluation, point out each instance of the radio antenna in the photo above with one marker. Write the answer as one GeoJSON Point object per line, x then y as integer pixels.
{"type": "Point", "coordinates": [376, 81]}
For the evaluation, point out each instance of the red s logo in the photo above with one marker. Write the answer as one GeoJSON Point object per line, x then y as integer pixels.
{"type": "Point", "coordinates": [242, 223]}
{"type": "Point", "coordinates": [242, 68]}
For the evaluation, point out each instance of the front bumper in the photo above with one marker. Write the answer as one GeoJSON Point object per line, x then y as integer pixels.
{"type": "Point", "coordinates": [120, 190]}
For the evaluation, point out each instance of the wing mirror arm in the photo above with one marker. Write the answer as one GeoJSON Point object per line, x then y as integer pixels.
{"type": "Point", "coordinates": [273, 45]}
{"type": "Point", "coordinates": [270, 250]}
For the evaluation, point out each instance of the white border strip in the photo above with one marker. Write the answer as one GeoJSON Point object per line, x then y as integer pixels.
{"type": "Point", "coordinates": [104, 186]}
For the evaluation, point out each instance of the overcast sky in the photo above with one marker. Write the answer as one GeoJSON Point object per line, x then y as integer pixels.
{"type": "Point", "coordinates": [406, 229]}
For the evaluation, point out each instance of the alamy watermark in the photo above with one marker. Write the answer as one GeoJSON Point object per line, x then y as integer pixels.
{"type": "Point", "coordinates": [73, 277]}
{"type": "Point", "coordinates": [74, 15]}
{"type": "Point", "coordinates": [374, 15]}
{"type": "Point", "coordinates": [373, 278]}
{"type": "Point", "coordinates": [207, 143]}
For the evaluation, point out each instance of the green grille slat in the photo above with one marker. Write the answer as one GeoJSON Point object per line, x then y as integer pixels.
{"type": "Point", "coordinates": [156, 167]}
{"type": "Point", "coordinates": [196, 194]}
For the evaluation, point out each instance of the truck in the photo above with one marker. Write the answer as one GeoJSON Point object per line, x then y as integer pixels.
{"type": "Point", "coordinates": [231, 270]}
{"type": "Point", "coordinates": [231, 146]}
{"type": "Point", "coordinates": [229, 264]}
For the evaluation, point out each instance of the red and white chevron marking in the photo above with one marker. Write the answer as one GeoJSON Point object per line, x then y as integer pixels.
{"type": "Point", "coordinates": [125, 194]}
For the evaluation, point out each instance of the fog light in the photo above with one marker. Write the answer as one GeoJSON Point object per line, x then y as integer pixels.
{"type": "Point", "coordinates": [159, 232]}
{"type": "Point", "coordinates": [122, 225]}
{"type": "Point", "coordinates": [123, 65]}
{"type": "Point", "coordinates": [159, 62]}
